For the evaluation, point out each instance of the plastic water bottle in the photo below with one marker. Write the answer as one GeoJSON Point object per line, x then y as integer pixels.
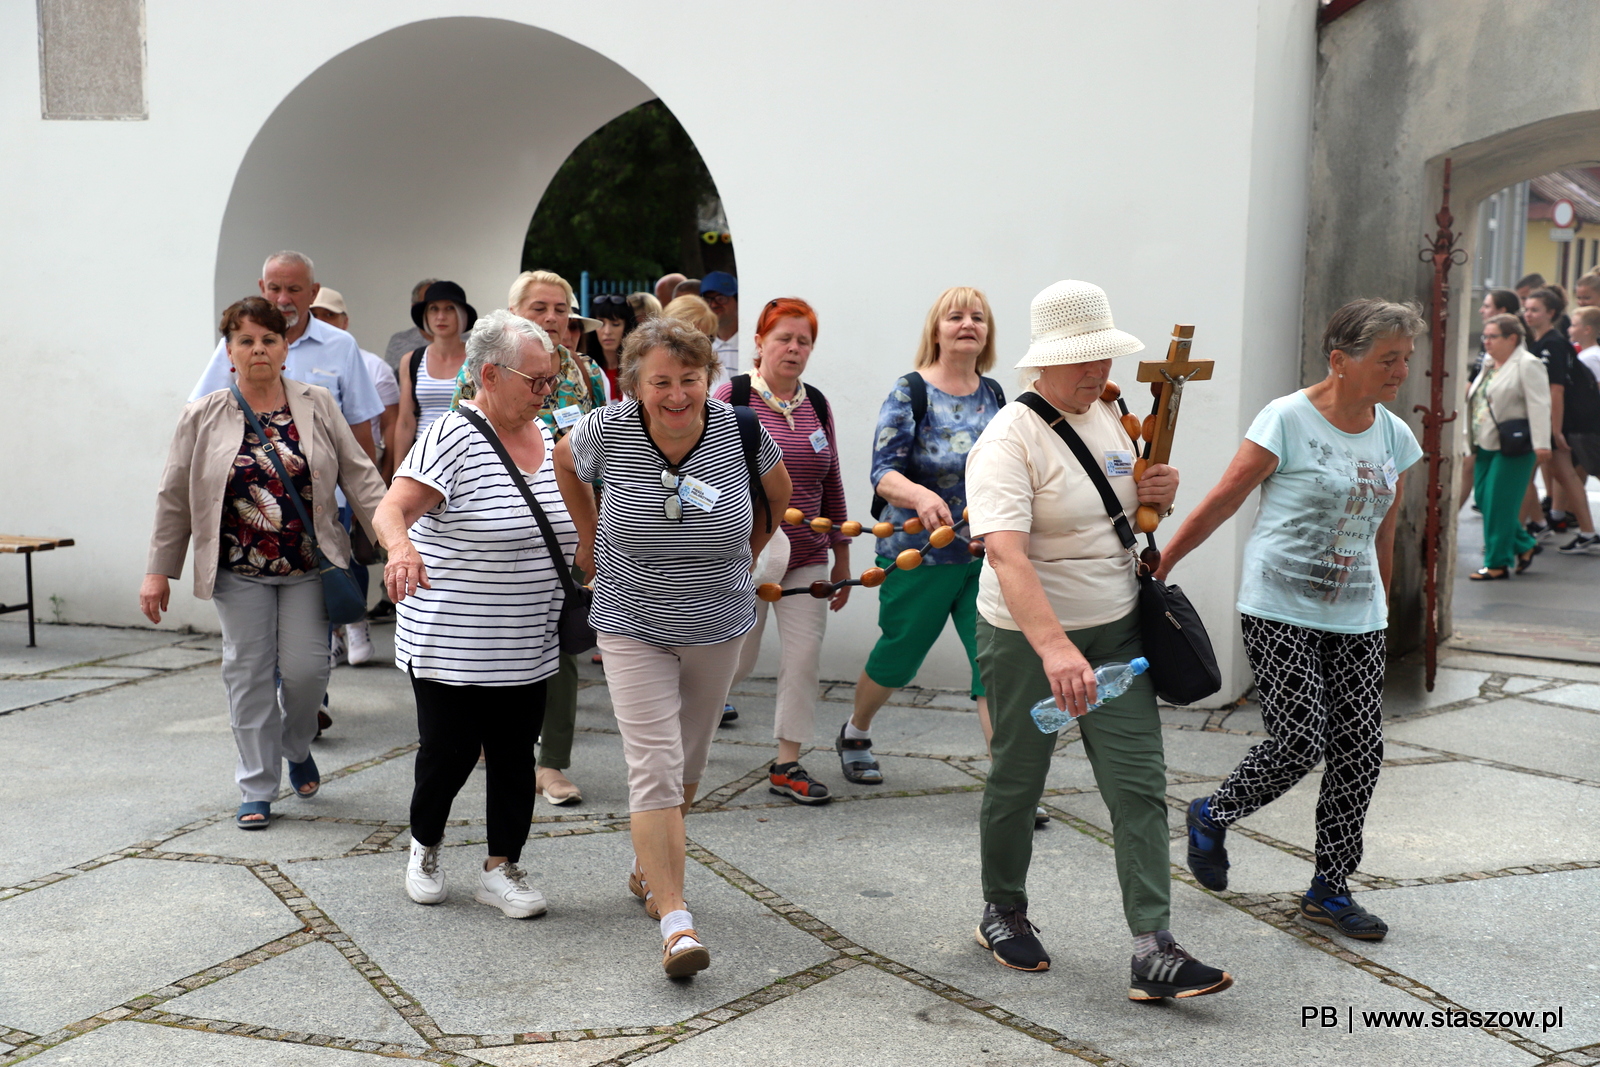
{"type": "Point", "coordinates": [1110, 680]}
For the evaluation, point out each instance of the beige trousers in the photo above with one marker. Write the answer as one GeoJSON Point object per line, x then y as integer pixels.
{"type": "Point", "coordinates": [802, 620]}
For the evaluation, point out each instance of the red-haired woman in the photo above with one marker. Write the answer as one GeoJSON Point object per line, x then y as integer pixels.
{"type": "Point", "coordinates": [796, 416]}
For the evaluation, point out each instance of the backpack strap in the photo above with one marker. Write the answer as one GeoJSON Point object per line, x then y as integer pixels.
{"type": "Point", "coordinates": [740, 397]}
{"type": "Point", "coordinates": [998, 392]}
{"type": "Point", "coordinates": [918, 387]}
{"type": "Point", "coordinates": [750, 438]}
{"type": "Point", "coordinates": [416, 368]}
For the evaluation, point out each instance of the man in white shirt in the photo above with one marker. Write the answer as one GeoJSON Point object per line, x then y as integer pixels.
{"type": "Point", "coordinates": [329, 307]}
{"type": "Point", "coordinates": [319, 354]}
{"type": "Point", "coordinates": [720, 290]}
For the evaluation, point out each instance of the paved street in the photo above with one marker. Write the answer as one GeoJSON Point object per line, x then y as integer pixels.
{"type": "Point", "coordinates": [140, 927]}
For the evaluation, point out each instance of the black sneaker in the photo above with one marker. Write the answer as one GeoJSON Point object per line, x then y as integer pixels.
{"type": "Point", "coordinates": [1540, 531]}
{"type": "Point", "coordinates": [1580, 545]}
{"type": "Point", "coordinates": [1208, 859]}
{"type": "Point", "coordinates": [791, 780]}
{"type": "Point", "coordinates": [1169, 971]}
{"type": "Point", "coordinates": [1006, 931]}
{"type": "Point", "coordinates": [729, 714]}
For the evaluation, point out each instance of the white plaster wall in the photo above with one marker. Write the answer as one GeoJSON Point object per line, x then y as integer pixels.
{"type": "Point", "coordinates": [867, 155]}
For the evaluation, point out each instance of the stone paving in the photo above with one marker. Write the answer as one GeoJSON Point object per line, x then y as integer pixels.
{"type": "Point", "coordinates": [138, 926]}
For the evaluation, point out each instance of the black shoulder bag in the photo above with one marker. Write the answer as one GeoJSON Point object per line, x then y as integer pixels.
{"type": "Point", "coordinates": [341, 594]}
{"type": "Point", "coordinates": [1182, 663]}
{"type": "Point", "coordinates": [1516, 435]}
{"type": "Point", "coordinates": [572, 626]}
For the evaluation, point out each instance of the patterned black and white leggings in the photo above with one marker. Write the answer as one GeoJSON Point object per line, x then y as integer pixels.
{"type": "Point", "coordinates": [1321, 698]}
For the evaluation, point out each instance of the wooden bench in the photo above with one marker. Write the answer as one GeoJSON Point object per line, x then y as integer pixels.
{"type": "Point", "coordinates": [26, 547]}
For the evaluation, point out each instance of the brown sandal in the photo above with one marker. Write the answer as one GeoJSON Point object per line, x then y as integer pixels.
{"type": "Point", "coordinates": [641, 889]}
{"type": "Point", "coordinates": [684, 962]}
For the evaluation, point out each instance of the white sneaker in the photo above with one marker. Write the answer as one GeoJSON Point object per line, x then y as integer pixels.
{"type": "Point", "coordinates": [359, 641]}
{"type": "Point", "coordinates": [506, 887]}
{"type": "Point", "coordinates": [336, 651]}
{"type": "Point", "coordinates": [424, 879]}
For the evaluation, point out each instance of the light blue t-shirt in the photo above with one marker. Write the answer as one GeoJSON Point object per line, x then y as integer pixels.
{"type": "Point", "coordinates": [1312, 557]}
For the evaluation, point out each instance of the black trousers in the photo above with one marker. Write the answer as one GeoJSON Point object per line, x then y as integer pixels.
{"type": "Point", "coordinates": [454, 722]}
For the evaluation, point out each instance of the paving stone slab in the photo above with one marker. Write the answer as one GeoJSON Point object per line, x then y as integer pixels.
{"type": "Point", "coordinates": [827, 1024]}
{"type": "Point", "coordinates": [563, 1053]}
{"type": "Point", "coordinates": [21, 693]}
{"type": "Point", "coordinates": [899, 772]}
{"type": "Point", "coordinates": [1538, 668]}
{"type": "Point", "coordinates": [148, 1045]}
{"type": "Point", "coordinates": [1522, 685]}
{"type": "Point", "coordinates": [108, 673]}
{"type": "Point", "coordinates": [1247, 718]}
{"type": "Point", "coordinates": [1522, 943]}
{"type": "Point", "coordinates": [1578, 696]}
{"type": "Point", "coordinates": [1403, 690]}
{"type": "Point", "coordinates": [593, 961]}
{"type": "Point", "coordinates": [171, 658]}
{"type": "Point", "coordinates": [93, 941]}
{"type": "Point", "coordinates": [1433, 819]}
{"type": "Point", "coordinates": [1518, 732]}
{"type": "Point", "coordinates": [67, 646]}
{"type": "Point", "coordinates": [284, 841]}
{"type": "Point", "coordinates": [927, 856]}
{"type": "Point", "coordinates": [311, 989]}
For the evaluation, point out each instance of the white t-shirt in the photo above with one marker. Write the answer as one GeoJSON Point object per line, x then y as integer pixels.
{"type": "Point", "coordinates": [1591, 359]}
{"type": "Point", "coordinates": [490, 616]}
{"type": "Point", "coordinates": [728, 352]}
{"type": "Point", "coordinates": [1022, 477]}
{"type": "Point", "coordinates": [388, 387]}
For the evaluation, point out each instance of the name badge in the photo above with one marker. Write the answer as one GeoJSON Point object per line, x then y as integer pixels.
{"type": "Point", "coordinates": [1119, 463]}
{"type": "Point", "coordinates": [568, 417]}
{"type": "Point", "coordinates": [700, 494]}
{"type": "Point", "coordinates": [1391, 477]}
{"type": "Point", "coordinates": [819, 440]}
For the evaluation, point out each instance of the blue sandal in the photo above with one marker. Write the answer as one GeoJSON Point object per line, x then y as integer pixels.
{"type": "Point", "coordinates": [303, 774]}
{"type": "Point", "coordinates": [1207, 856]}
{"type": "Point", "coordinates": [1322, 905]}
{"type": "Point", "coordinates": [253, 807]}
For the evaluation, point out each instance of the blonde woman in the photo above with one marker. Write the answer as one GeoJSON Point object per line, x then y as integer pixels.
{"type": "Point", "coordinates": [695, 311]}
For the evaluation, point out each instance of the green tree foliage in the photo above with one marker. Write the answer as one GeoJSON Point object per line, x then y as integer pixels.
{"type": "Point", "coordinates": [625, 204]}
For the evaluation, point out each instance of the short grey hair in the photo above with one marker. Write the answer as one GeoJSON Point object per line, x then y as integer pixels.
{"type": "Point", "coordinates": [496, 338]}
{"type": "Point", "coordinates": [1360, 324]}
{"type": "Point", "coordinates": [290, 257]}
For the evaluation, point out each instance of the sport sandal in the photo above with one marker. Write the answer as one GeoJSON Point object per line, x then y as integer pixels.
{"type": "Point", "coordinates": [686, 961]}
{"type": "Point", "coordinates": [1207, 858]}
{"type": "Point", "coordinates": [793, 781]}
{"type": "Point", "coordinates": [1322, 905]}
{"type": "Point", "coordinates": [855, 759]}
{"type": "Point", "coordinates": [641, 889]}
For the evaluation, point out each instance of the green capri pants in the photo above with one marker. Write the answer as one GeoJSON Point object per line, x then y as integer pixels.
{"type": "Point", "coordinates": [1498, 482]}
{"type": "Point", "coordinates": [1122, 739]}
{"type": "Point", "coordinates": [912, 608]}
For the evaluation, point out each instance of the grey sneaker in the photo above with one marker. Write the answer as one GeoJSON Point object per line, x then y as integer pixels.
{"type": "Point", "coordinates": [1006, 931]}
{"type": "Point", "coordinates": [506, 887]}
{"type": "Point", "coordinates": [1170, 971]}
{"type": "Point", "coordinates": [424, 879]}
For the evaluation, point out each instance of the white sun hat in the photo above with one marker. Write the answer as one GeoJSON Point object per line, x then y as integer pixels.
{"type": "Point", "coordinates": [1072, 324]}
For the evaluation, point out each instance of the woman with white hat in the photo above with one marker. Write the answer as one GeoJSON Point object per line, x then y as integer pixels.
{"type": "Point", "coordinates": [1313, 603]}
{"type": "Point", "coordinates": [1060, 598]}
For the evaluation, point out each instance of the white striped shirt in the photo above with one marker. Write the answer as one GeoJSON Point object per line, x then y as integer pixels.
{"type": "Point", "coordinates": [490, 618]}
{"type": "Point", "coordinates": [659, 581]}
{"type": "Point", "coordinates": [433, 397]}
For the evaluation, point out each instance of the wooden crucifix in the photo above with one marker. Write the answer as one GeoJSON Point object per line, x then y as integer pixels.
{"type": "Point", "coordinates": [1167, 378]}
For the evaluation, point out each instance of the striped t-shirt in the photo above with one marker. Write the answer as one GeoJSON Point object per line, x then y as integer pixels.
{"type": "Point", "coordinates": [657, 580]}
{"type": "Point", "coordinates": [490, 618]}
{"type": "Point", "coordinates": [433, 397]}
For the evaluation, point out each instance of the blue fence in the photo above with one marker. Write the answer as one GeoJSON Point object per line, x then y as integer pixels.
{"type": "Point", "coordinates": [588, 287]}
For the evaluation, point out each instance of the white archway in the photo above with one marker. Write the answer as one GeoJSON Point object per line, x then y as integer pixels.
{"type": "Point", "coordinates": [421, 151]}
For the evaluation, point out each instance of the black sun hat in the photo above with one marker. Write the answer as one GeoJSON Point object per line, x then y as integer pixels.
{"type": "Point", "coordinates": [444, 291]}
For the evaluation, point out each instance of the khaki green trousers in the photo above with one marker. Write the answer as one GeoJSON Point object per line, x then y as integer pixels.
{"type": "Point", "coordinates": [560, 716]}
{"type": "Point", "coordinates": [1123, 742]}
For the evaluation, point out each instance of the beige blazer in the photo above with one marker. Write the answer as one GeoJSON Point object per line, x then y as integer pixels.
{"type": "Point", "coordinates": [1520, 390]}
{"type": "Point", "coordinates": [200, 461]}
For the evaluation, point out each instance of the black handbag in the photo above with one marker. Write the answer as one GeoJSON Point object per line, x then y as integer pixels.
{"type": "Point", "coordinates": [1182, 663]}
{"type": "Point", "coordinates": [341, 593]}
{"type": "Point", "coordinates": [1516, 435]}
{"type": "Point", "coordinates": [572, 626]}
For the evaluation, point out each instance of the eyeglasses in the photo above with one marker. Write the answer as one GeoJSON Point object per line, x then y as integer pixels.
{"type": "Point", "coordinates": [546, 384]}
{"type": "Point", "coordinates": [673, 505]}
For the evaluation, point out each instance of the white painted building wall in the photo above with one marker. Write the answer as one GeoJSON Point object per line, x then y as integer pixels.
{"type": "Point", "coordinates": [867, 156]}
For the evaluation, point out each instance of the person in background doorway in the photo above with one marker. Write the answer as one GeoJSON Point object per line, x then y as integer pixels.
{"type": "Point", "coordinates": [666, 285]}
{"type": "Point", "coordinates": [408, 340]}
{"type": "Point", "coordinates": [1573, 405]}
{"type": "Point", "coordinates": [697, 313]}
{"type": "Point", "coordinates": [645, 306]}
{"type": "Point", "coordinates": [687, 287]}
{"type": "Point", "coordinates": [617, 321]}
{"type": "Point", "coordinates": [1583, 444]}
{"type": "Point", "coordinates": [428, 375]}
{"type": "Point", "coordinates": [354, 641]}
{"type": "Point", "coordinates": [1512, 385]}
{"type": "Point", "coordinates": [721, 292]}
{"type": "Point", "coordinates": [1330, 461]}
{"type": "Point", "coordinates": [1585, 337]}
{"type": "Point", "coordinates": [1495, 302]}
{"type": "Point", "coordinates": [1586, 290]}
{"type": "Point", "coordinates": [1528, 284]}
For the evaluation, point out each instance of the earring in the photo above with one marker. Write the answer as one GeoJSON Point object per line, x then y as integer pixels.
{"type": "Point", "coordinates": [1341, 375]}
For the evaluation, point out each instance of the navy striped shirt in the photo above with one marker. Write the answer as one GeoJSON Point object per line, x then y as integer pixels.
{"type": "Point", "coordinates": [490, 618]}
{"type": "Point", "coordinates": [661, 581]}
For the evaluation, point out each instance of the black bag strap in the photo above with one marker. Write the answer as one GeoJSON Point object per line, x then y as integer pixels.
{"type": "Point", "coordinates": [563, 568]}
{"type": "Point", "coordinates": [416, 368]}
{"type": "Point", "coordinates": [272, 453]}
{"type": "Point", "coordinates": [750, 439]}
{"type": "Point", "coordinates": [1108, 496]}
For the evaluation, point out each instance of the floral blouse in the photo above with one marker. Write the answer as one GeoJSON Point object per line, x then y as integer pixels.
{"type": "Point", "coordinates": [261, 531]}
{"type": "Point", "coordinates": [932, 455]}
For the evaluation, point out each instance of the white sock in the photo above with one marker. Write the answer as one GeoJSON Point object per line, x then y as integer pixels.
{"type": "Point", "coordinates": [1585, 533]}
{"type": "Point", "coordinates": [854, 734]}
{"type": "Point", "coordinates": [674, 921]}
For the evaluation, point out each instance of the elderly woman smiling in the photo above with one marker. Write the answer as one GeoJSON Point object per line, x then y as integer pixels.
{"type": "Point", "coordinates": [253, 556]}
{"type": "Point", "coordinates": [477, 598]}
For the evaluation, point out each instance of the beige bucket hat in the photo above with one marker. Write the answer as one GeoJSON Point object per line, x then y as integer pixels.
{"type": "Point", "coordinates": [1072, 324]}
{"type": "Point", "coordinates": [330, 300]}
